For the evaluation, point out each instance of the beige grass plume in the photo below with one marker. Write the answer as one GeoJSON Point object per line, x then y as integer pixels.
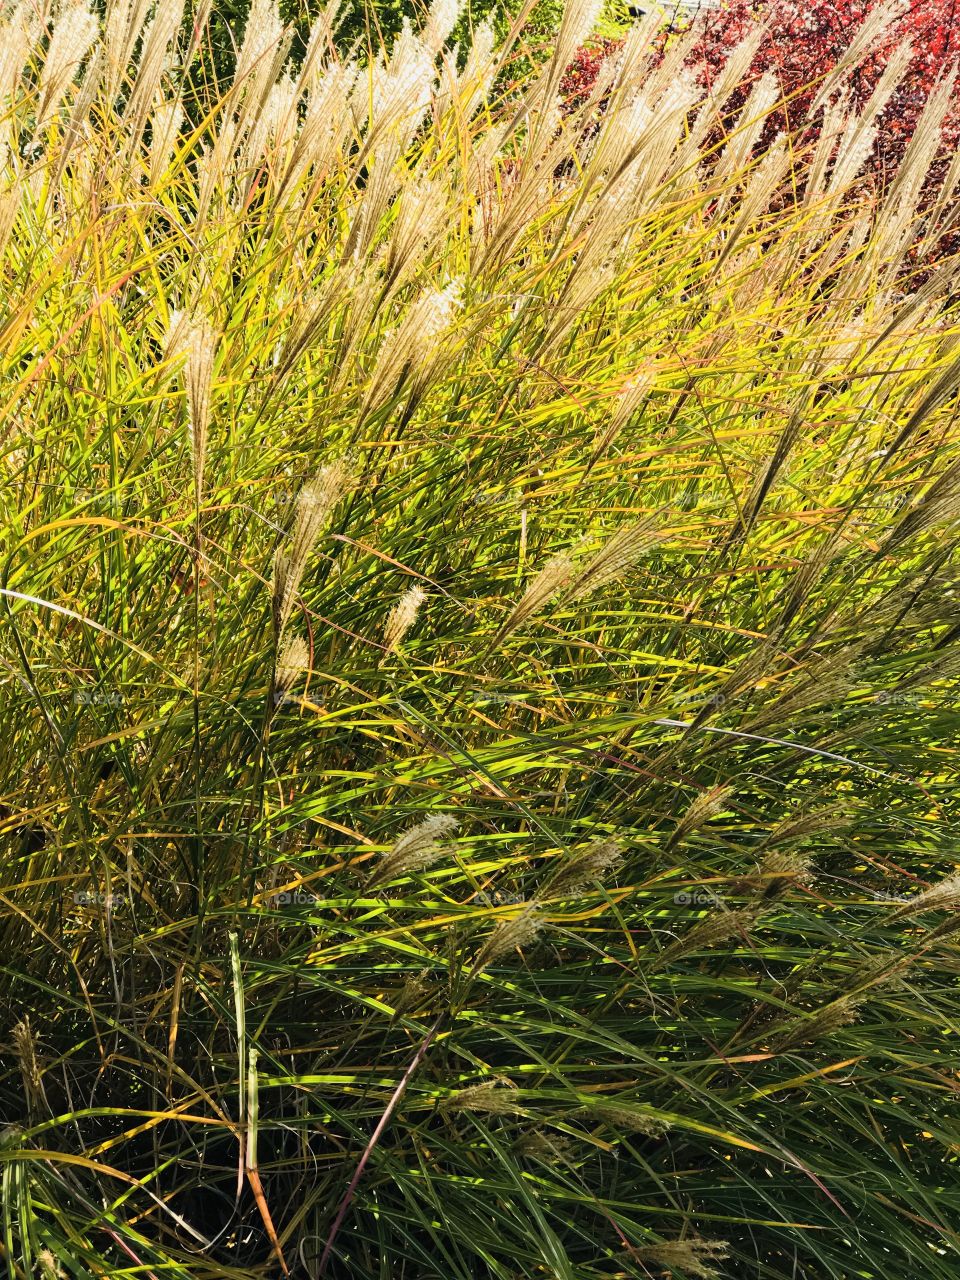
{"type": "Point", "coordinates": [627, 1119]}
{"type": "Point", "coordinates": [691, 1257]}
{"type": "Point", "coordinates": [549, 1148]}
{"type": "Point", "coordinates": [74, 32]}
{"type": "Point", "coordinates": [191, 345]}
{"type": "Point", "coordinates": [441, 19]}
{"type": "Point", "coordinates": [402, 617]}
{"type": "Point", "coordinates": [517, 932]}
{"type": "Point", "coordinates": [493, 1097]}
{"type": "Point", "coordinates": [292, 661]}
{"type": "Point", "coordinates": [416, 850]}
{"type": "Point", "coordinates": [782, 870]}
{"type": "Point", "coordinates": [25, 1049]}
{"type": "Point", "coordinates": [19, 33]}
{"type": "Point", "coordinates": [479, 68]}
{"type": "Point", "coordinates": [938, 897]}
{"type": "Point", "coordinates": [823, 1022]}
{"type": "Point", "coordinates": [554, 575]}
{"type": "Point", "coordinates": [124, 23]}
{"type": "Point", "coordinates": [799, 826]}
{"type": "Point", "coordinates": [618, 555]}
{"type": "Point", "coordinates": [165, 124]}
{"type": "Point", "coordinates": [631, 397]}
{"type": "Point", "coordinates": [411, 353]}
{"type": "Point", "coordinates": [50, 1268]}
{"type": "Point", "coordinates": [587, 867]}
{"type": "Point", "coordinates": [156, 54]}
{"type": "Point", "coordinates": [398, 92]}
{"type": "Point", "coordinates": [274, 128]}
{"type": "Point", "coordinates": [315, 501]}
{"type": "Point", "coordinates": [262, 36]}
{"type": "Point", "coordinates": [939, 505]}
{"type": "Point", "coordinates": [705, 806]}
{"type": "Point", "coordinates": [718, 927]}
{"type": "Point", "coordinates": [421, 216]}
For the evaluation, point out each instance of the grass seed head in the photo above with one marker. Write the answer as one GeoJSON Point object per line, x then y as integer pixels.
{"type": "Point", "coordinates": [292, 661]}
{"type": "Point", "coordinates": [50, 1268]}
{"type": "Point", "coordinates": [75, 29]}
{"type": "Point", "coordinates": [25, 1047]}
{"type": "Point", "coordinates": [493, 1097]}
{"type": "Point", "coordinates": [706, 806]}
{"type": "Point", "coordinates": [589, 866]}
{"type": "Point", "coordinates": [688, 1257]}
{"type": "Point", "coordinates": [402, 617]}
{"type": "Point", "coordinates": [540, 591]}
{"type": "Point", "coordinates": [517, 932]}
{"type": "Point", "coordinates": [619, 554]}
{"type": "Point", "coordinates": [719, 926]}
{"type": "Point", "coordinates": [627, 1119]}
{"type": "Point", "coordinates": [416, 850]}
{"type": "Point", "coordinates": [823, 1022]}
{"type": "Point", "coordinates": [315, 502]}
{"type": "Point", "coordinates": [938, 897]}
{"type": "Point", "coordinates": [548, 1148]}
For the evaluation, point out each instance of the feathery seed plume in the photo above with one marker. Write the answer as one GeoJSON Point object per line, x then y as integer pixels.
{"type": "Point", "coordinates": [587, 867]}
{"type": "Point", "coordinates": [417, 988]}
{"type": "Point", "coordinates": [629, 399]}
{"type": "Point", "coordinates": [74, 32]}
{"type": "Point", "coordinates": [628, 1119]}
{"type": "Point", "coordinates": [940, 504]}
{"type": "Point", "coordinates": [19, 33]}
{"type": "Point", "coordinates": [416, 850]}
{"type": "Point", "coordinates": [176, 340]}
{"type": "Point", "coordinates": [441, 19]}
{"type": "Point", "coordinates": [25, 1047]}
{"type": "Point", "coordinates": [261, 36]}
{"type": "Point", "coordinates": [778, 871]}
{"type": "Point", "coordinates": [541, 590]}
{"type": "Point", "coordinates": [517, 932]}
{"type": "Point", "coordinates": [276, 123]}
{"type": "Point", "coordinates": [401, 89]}
{"type": "Point", "coordinates": [719, 926]}
{"type": "Point", "coordinates": [938, 897]}
{"type": "Point", "coordinates": [315, 502]}
{"type": "Point", "coordinates": [550, 1148]}
{"type": "Point", "coordinates": [576, 26]}
{"type": "Point", "coordinates": [402, 617]}
{"type": "Point", "coordinates": [155, 62]}
{"type": "Point", "coordinates": [198, 375]}
{"type": "Point", "coordinates": [165, 124]}
{"type": "Point", "coordinates": [50, 1269]}
{"type": "Point", "coordinates": [690, 1257]}
{"type": "Point", "coordinates": [615, 557]}
{"type": "Point", "coordinates": [806, 824]}
{"type": "Point", "coordinates": [411, 352]}
{"type": "Point", "coordinates": [492, 1097]}
{"type": "Point", "coordinates": [191, 344]}
{"type": "Point", "coordinates": [823, 1022]}
{"type": "Point", "coordinates": [292, 661]}
{"type": "Point", "coordinates": [706, 806]}
{"type": "Point", "coordinates": [479, 68]}
{"type": "Point", "coordinates": [421, 215]}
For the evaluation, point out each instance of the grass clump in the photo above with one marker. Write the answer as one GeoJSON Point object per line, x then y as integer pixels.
{"type": "Point", "coordinates": [479, 660]}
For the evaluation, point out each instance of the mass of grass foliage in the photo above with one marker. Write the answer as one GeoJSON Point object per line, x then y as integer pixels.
{"type": "Point", "coordinates": [479, 643]}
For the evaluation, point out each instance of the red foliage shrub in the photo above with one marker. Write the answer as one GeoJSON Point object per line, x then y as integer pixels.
{"type": "Point", "coordinates": [804, 40]}
{"type": "Point", "coordinates": [581, 75]}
